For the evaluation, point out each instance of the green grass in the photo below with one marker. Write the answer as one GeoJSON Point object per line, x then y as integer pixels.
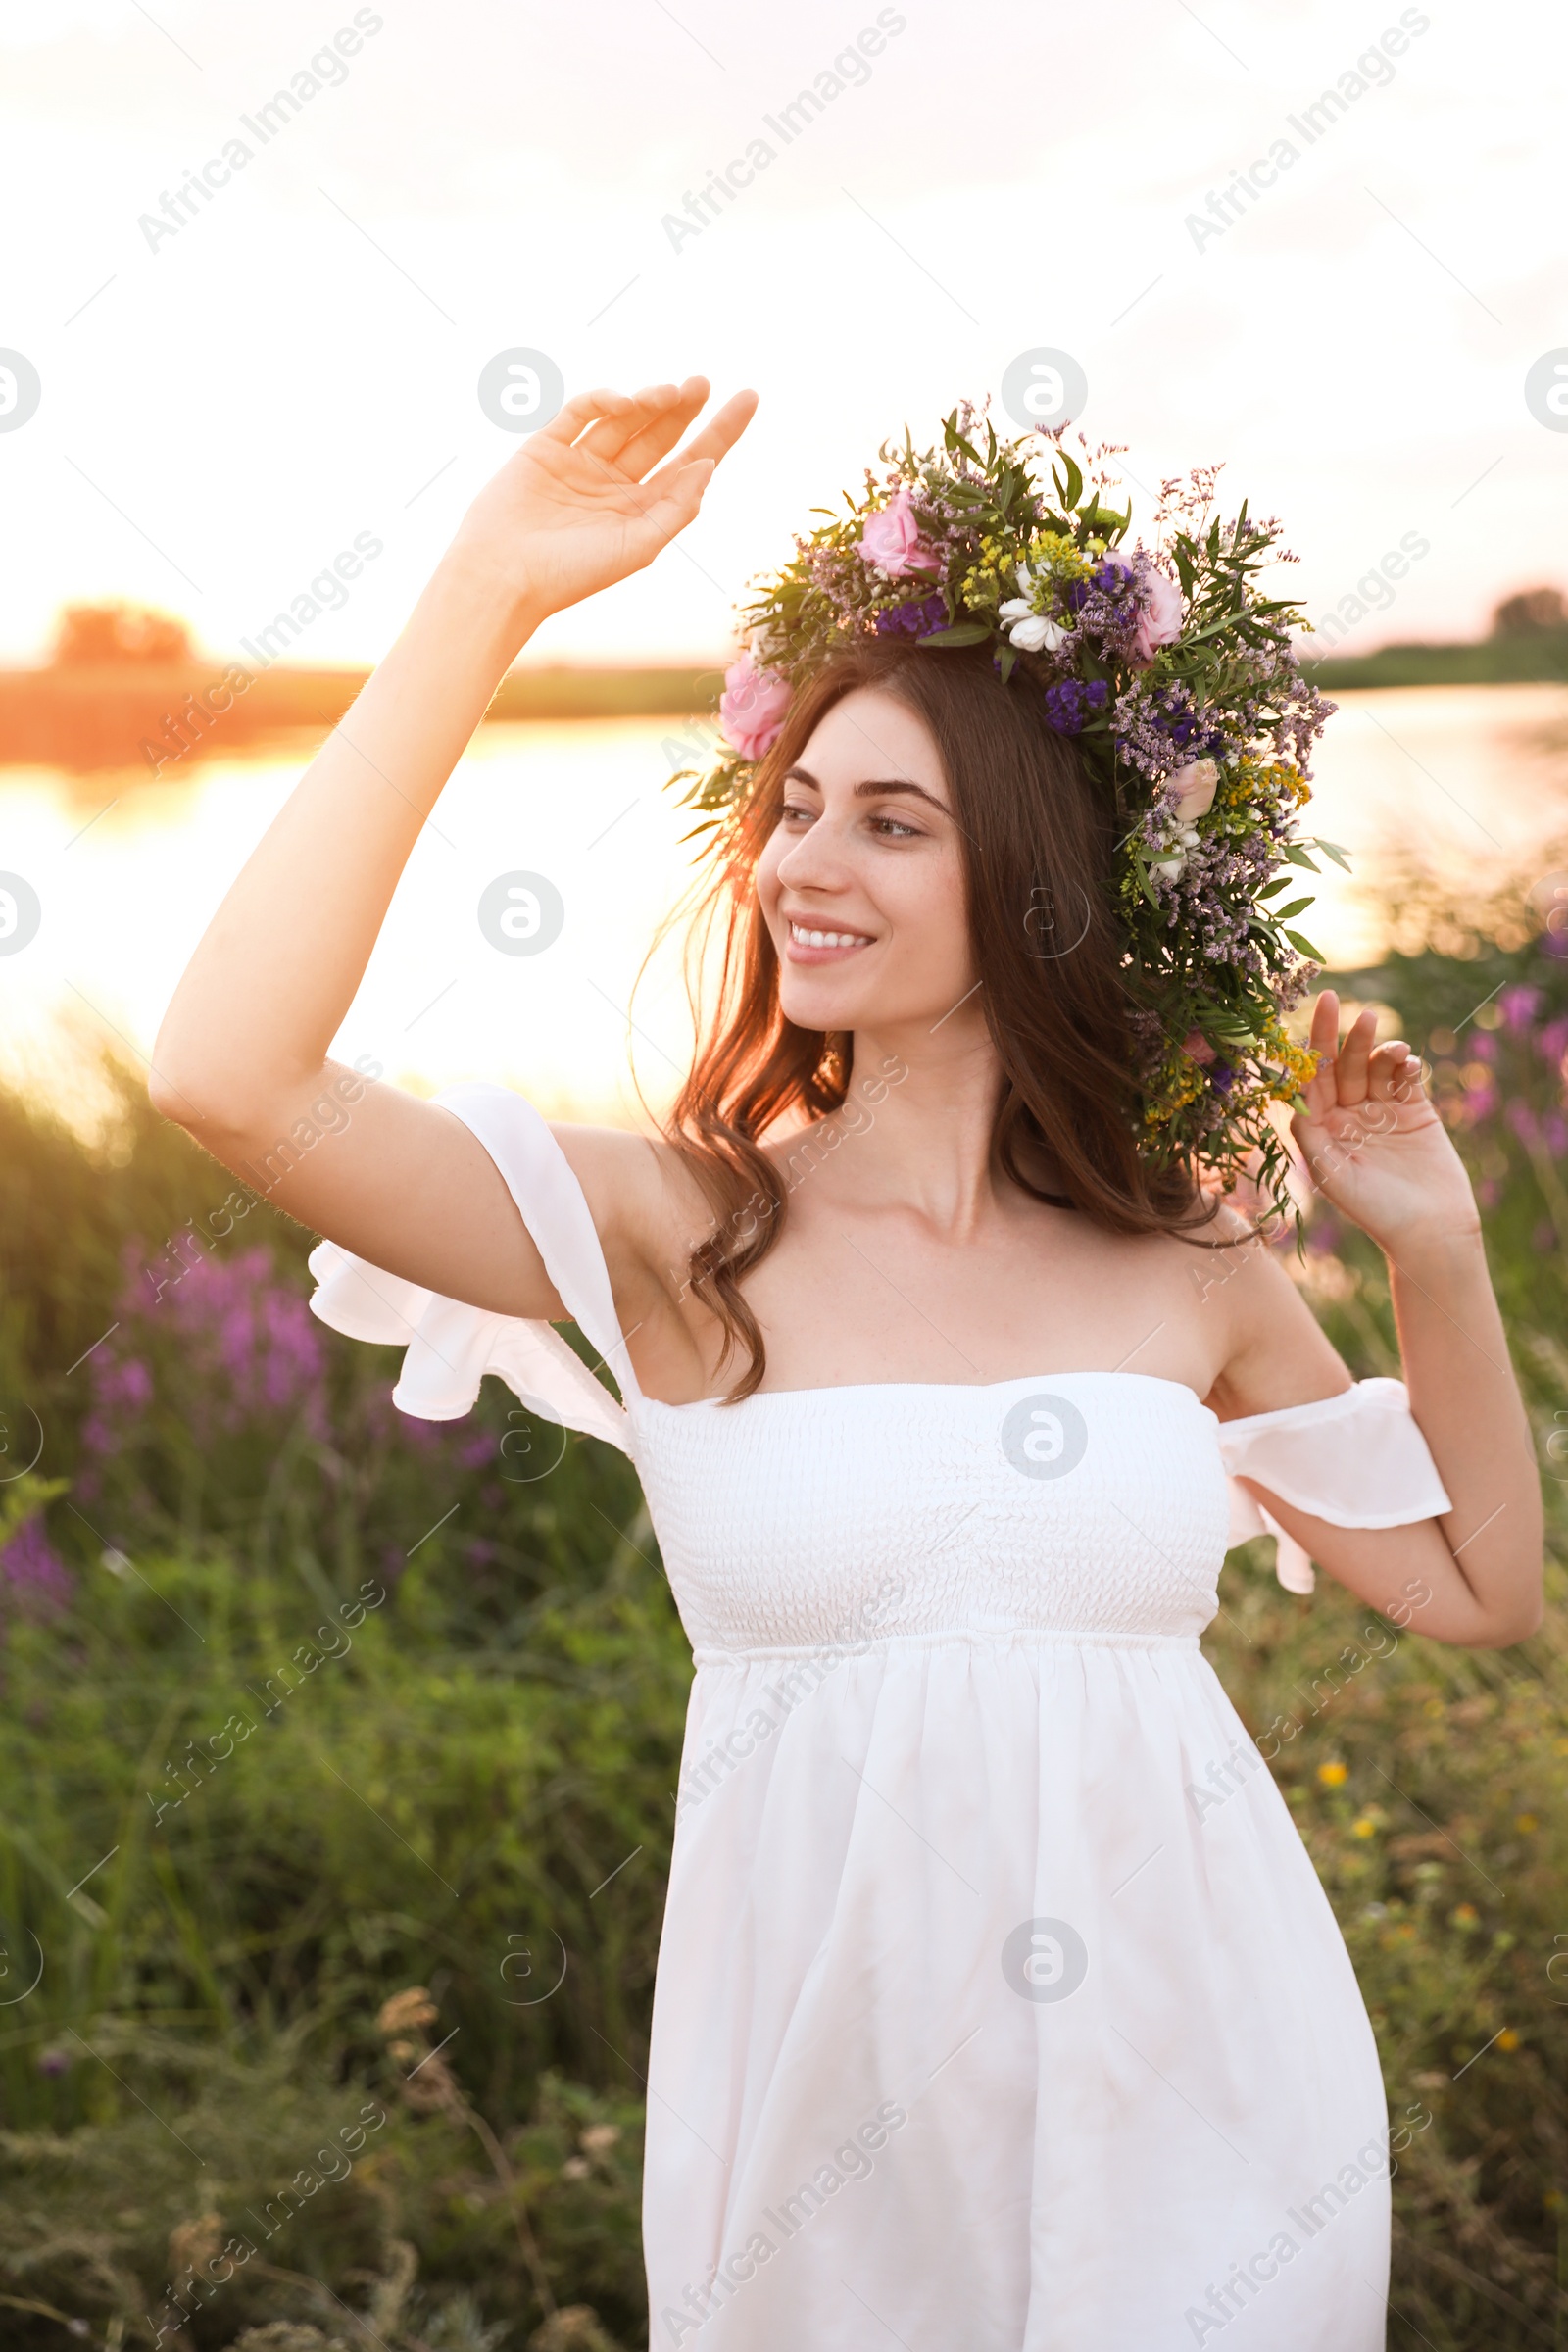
{"type": "Point", "coordinates": [228, 1858]}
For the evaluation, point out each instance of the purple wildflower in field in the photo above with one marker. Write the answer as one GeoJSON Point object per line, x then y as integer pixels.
{"type": "Point", "coordinates": [224, 1345]}
{"type": "Point", "coordinates": [122, 1392]}
{"type": "Point", "coordinates": [34, 1580]}
{"type": "Point", "coordinates": [1552, 1041]}
{"type": "Point", "coordinates": [1518, 1006]}
{"type": "Point", "coordinates": [259, 1339]}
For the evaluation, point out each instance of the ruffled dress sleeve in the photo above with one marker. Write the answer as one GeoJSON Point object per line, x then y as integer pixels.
{"type": "Point", "coordinates": [1357, 1459]}
{"type": "Point", "coordinates": [448, 1347]}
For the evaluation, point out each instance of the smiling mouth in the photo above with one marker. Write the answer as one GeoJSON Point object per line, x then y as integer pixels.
{"type": "Point", "coordinates": [809, 945]}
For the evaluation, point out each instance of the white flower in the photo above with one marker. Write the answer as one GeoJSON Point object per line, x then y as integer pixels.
{"type": "Point", "coordinates": [1172, 866]}
{"type": "Point", "coordinates": [1031, 631]}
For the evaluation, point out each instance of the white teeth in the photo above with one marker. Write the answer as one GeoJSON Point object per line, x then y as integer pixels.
{"type": "Point", "coordinates": [827, 939]}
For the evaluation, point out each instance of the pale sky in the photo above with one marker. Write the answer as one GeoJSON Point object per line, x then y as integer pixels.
{"type": "Point", "coordinates": [224, 410]}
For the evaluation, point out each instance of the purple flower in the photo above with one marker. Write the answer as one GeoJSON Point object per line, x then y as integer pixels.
{"type": "Point", "coordinates": [1068, 701]}
{"type": "Point", "coordinates": [1524, 1122]}
{"type": "Point", "coordinates": [1221, 1077]}
{"type": "Point", "coordinates": [1551, 1042]}
{"type": "Point", "coordinates": [243, 1346]}
{"type": "Point", "coordinates": [915, 619]}
{"type": "Point", "coordinates": [34, 1578]}
{"type": "Point", "coordinates": [1519, 1006]}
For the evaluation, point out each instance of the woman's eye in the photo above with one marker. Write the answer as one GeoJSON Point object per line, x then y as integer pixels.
{"type": "Point", "coordinates": [892, 829]}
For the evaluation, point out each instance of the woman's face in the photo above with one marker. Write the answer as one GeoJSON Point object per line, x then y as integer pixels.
{"type": "Point", "coordinates": [861, 883]}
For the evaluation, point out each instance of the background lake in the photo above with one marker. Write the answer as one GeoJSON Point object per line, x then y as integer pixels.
{"type": "Point", "coordinates": [128, 869]}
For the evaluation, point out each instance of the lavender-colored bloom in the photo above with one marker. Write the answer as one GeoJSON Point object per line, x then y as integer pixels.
{"type": "Point", "coordinates": [1221, 1077]}
{"type": "Point", "coordinates": [1070, 702]}
{"type": "Point", "coordinates": [1519, 1006]}
{"type": "Point", "coordinates": [34, 1578]}
{"type": "Point", "coordinates": [55, 2060]}
{"type": "Point", "coordinates": [247, 1346]}
{"type": "Point", "coordinates": [915, 619]}
{"type": "Point", "coordinates": [1551, 1042]}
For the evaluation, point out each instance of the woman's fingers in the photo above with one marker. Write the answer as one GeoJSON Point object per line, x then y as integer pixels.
{"type": "Point", "coordinates": [610, 437]}
{"type": "Point", "coordinates": [656, 438]}
{"type": "Point", "coordinates": [1354, 1058]}
{"type": "Point", "coordinates": [1397, 1075]}
{"type": "Point", "coordinates": [1385, 1068]}
{"type": "Point", "coordinates": [721, 431]}
{"type": "Point", "coordinates": [717, 437]}
{"type": "Point", "coordinates": [669, 501]}
{"type": "Point", "coordinates": [1323, 1037]}
{"type": "Point", "coordinates": [573, 414]}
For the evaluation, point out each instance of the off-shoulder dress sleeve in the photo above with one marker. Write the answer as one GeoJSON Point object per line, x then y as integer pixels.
{"type": "Point", "coordinates": [448, 1347]}
{"type": "Point", "coordinates": [1357, 1459]}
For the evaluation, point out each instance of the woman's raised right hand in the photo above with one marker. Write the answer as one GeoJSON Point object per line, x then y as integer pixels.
{"type": "Point", "coordinates": [580, 506]}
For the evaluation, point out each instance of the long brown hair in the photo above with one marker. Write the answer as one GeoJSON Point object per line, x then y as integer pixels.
{"type": "Point", "coordinates": [1036, 846]}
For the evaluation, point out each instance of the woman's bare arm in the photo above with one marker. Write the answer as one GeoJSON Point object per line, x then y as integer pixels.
{"type": "Point", "coordinates": [241, 1059]}
{"type": "Point", "coordinates": [1381, 1154]}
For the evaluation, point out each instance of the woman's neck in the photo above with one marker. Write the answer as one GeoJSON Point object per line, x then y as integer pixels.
{"type": "Point", "coordinates": [918, 1119]}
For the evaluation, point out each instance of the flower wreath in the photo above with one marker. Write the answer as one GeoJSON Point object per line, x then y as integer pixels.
{"type": "Point", "coordinates": [1186, 701]}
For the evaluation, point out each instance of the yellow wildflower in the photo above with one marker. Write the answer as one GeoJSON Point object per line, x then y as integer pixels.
{"type": "Point", "coordinates": [1334, 1775]}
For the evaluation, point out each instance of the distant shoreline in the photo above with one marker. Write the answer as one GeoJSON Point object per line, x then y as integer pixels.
{"type": "Point", "coordinates": [164, 717]}
{"type": "Point", "coordinates": [1534, 656]}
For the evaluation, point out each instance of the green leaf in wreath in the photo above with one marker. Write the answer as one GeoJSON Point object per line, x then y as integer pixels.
{"type": "Point", "coordinates": [1305, 947]}
{"type": "Point", "coordinates": [963, 632]}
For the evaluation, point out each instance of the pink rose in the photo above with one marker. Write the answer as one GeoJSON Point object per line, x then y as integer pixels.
{"type": "Point", "coordinates": [752, 707]}
{"type": "Point", "coordinates": [891, 540]}
{"type": "Point", "coordinates": [1195, 787]}
{"type": "Point", "coordinates": [1161, 622]}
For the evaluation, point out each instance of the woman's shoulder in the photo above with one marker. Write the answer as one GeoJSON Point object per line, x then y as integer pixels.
{"type": "Point", "coordinates": [640, 1189]}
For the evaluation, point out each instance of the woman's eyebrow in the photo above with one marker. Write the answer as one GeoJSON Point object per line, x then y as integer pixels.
{"type": "Point", "coordinates": [874, 786]}
{"type": "Point", "coordinates": [880, 784]}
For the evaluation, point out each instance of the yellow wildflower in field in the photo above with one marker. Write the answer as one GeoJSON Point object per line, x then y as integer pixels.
{"type": "Point", "coordinates": [1334, 1775]}
{"type": "Point", "coordinates": [1363, 1827]}
{"type": "Point", "coordinates": [1507, 2040]}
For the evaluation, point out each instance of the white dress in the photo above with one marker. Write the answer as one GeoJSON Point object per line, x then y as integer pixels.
{"type": "Point", "coordinates": [999, 2008]}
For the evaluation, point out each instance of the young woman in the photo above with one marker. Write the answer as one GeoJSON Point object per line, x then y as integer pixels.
{"type": "Point", "coordinates": [999, 2006]}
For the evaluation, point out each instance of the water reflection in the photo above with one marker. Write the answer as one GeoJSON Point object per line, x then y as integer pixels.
{"type": "Point", "coordinates": [130, 870]}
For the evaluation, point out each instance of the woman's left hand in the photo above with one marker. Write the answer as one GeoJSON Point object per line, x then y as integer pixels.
{"type": "Point", "coordinates": [1373, 1142]}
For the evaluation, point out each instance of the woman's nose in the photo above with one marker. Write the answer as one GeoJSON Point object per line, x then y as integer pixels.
{"type": "Point", "coordinates": [815, 861]}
